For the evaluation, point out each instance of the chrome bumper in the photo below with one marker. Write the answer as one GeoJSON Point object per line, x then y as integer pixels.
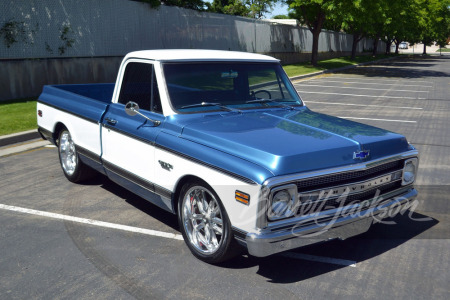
{"type": "Point", "coordinates": [275, 241]}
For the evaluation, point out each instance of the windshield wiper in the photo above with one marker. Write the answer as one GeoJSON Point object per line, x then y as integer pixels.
{"type": "Point", "coordinates": [212, 104]}
{"type": "Point", "coordinates": [271, 101]}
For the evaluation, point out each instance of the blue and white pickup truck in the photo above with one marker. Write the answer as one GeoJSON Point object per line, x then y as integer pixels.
{"type": "Point", "coordinates": [223, 140]}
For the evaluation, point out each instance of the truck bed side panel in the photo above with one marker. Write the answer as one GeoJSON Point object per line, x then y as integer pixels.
{"type": "Point", "coordinates": [69, 106]}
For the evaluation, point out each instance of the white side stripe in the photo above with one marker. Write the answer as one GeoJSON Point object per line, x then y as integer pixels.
{"type": "Point", "coordinates": [92, 222]}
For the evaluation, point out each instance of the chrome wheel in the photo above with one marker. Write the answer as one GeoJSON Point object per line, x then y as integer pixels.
{"type": "Point", "coordinates": [202, 220]}
{"type": "Point", "coordinates": [67, 153]}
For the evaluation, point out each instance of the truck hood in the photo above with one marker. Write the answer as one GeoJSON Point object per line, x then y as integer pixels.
{"type": "Point", "coordinates": [292, 141]}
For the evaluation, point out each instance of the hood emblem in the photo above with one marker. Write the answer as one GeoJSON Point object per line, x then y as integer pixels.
{"type": "Point", "coordinates": [361, 154]}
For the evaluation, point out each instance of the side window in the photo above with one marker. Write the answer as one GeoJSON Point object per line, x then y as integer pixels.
{"type": "Point", "coordinates": [139, 85]}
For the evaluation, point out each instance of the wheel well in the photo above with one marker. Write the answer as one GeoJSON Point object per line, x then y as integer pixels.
{"type": "Point", "coordinates": [179, 186]}
{"type": "Point", "coordinates": [58, 128]}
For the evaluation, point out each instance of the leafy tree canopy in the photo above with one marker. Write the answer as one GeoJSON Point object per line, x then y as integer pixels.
{"type": "Point", "coordinates": [246, 8]}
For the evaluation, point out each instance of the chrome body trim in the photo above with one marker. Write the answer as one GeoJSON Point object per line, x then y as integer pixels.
{"type": "Point", "coordinates": [262, 221]}
{"type": "Point", "coordinates": [337, 191]}
{"type": "Point", "coordinates": [350, 168]}
{"type": "Point", "coordinates": [329, 225]}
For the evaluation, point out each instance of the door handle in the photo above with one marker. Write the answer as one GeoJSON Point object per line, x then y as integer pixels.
{"type": "Point", "coordinates": [111, 121]}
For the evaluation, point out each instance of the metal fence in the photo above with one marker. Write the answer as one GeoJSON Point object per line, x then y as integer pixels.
{"type": "Point", "coordinates": [75, 41]}
{"type": "Point", "coordinates": [79, 28]}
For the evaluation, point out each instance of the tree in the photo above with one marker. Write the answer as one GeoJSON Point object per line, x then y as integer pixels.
{"type": "Point", "coordinates": [354, 16]}
{"type": "Point", "coordinates": [378, 21]}
{"type": "Point", "coordinates": [435, 21]}
{"type": "Point", "coordinates": [191, 4]}
{"type": "Point", "coordinates": [280, 17]}
{"type": "Point", "coordinates": [313, 13]}
{"type": "Point", "coordinates": [246, 8]}
{"type": "Point", "coordinates": [258, 8]}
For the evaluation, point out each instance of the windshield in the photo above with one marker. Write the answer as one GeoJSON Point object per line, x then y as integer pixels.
{"type": "Point", "coordinates": [207, 86]}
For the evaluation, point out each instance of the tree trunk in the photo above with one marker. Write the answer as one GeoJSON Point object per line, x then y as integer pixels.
{"type": "Point", "coordinates": [375, 45]}
{"type": "Point", "coordinates": [356, 39]}
{"type": "Point", "coordinates": [396, 43]}
{"type": "Point", "coordinates": [315, 26]}
{"type": "Point", "coordinates": [315, 47]}
{"type": "Point", "coordinates": [388, 47]}
{"type": "Point", "coordinates": [424, 49]}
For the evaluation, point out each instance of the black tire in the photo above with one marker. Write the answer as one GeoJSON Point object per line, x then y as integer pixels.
{"type": "Point", "coordinates": [212, 241]}
{"type": "Point", "coordinates": [73, 168]}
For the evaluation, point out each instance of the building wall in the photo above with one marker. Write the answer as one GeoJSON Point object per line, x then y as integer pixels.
{"type": "Point", "coordinates": [66, 41]}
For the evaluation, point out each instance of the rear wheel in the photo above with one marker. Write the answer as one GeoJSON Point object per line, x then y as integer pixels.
{"type": "Point", "coordinates": [74, 169]}
{"type": "Point", "coordinates": [204, 224]}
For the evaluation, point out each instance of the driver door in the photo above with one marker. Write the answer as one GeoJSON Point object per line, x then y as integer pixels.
{"type": "Point", "coordinates": [128, 141]}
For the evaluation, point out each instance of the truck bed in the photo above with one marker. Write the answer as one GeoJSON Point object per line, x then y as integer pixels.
{"type": "Point", "coordinates": [98, 91]}
{"type": "Point", "coordinates": [88, 101]}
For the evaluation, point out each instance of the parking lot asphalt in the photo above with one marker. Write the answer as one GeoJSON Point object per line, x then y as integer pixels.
{"type": "Point", "coordinates": [60, 240]}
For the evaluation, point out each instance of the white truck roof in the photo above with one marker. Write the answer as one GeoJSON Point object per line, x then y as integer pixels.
{"type": "Point", "coordinates": [198, 55]}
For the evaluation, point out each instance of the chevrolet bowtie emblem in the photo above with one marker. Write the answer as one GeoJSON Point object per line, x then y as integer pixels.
{"type": "Point", "coordinates": [361, 154]}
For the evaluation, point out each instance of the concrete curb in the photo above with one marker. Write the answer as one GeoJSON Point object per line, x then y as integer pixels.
{"type": "Point", "coordinates": [19, 137]}
{"type": "Point", "coordinates": [33, 134]}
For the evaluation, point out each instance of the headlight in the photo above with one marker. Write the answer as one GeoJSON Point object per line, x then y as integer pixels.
{"type": "Point", "coordinates": [409, 171]}
{"type": "Point", "coordinates": [283, 202]}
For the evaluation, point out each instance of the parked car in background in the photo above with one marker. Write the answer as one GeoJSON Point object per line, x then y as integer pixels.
{"type": "Point", "coordinates": [403, 45]}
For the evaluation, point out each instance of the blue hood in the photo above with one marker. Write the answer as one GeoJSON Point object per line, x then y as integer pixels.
{"type": "Point", "coordinates": [291, 141]}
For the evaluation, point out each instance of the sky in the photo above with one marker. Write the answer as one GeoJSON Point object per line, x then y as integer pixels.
{"type": "Point", "coordinates": [279, 9]}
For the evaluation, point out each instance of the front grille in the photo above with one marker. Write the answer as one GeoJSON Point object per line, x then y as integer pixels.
{"type": "Point", "coordinates": [318, 206]}
{"type": "Point", "coordinates": [335, 180]}
{"type": "Point", "coordinates": [349, 177]}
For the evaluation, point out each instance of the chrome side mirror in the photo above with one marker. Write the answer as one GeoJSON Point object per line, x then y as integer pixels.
{"type": "Point", "coordinates": [132, 108]}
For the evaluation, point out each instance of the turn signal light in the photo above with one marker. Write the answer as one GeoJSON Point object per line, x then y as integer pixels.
{"type": "Point", "coordinates": [242, 197]}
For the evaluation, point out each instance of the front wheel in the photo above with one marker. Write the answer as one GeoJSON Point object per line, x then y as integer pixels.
{"type": "Point", "coordinates": [74, 169]}
{"type": "Point", "coordinates": [204, 224]}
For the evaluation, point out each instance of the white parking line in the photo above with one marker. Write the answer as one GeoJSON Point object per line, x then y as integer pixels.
{"type": "Point", "coordinates": [364, 105]}
{"type": "Point", "coordinates": [92, 222]}
{"type": "Point", "coordinates": [329, 260]}
{"type": "Point", "coordinates": [158, 233]}
{"type": "Point", "coordinates": [375, 79]}
{"type": "Point", "coordinates": [376, 83]}
{"type": "Point", "coordinates": [359, 88]}
{"type": "Point", "coordinates": [384, 120]}
{"type": "Point", "coordinates": [354, 95]}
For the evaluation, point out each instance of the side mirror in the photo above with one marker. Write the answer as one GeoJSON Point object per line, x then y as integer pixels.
{"type": "Point", "coordinates": [132, 108]}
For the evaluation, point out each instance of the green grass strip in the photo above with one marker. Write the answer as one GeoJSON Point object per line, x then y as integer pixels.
{"type": "Point", "coordinates": [334, 63]}
{"type": "Point", "coordinates": [17, 115]}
